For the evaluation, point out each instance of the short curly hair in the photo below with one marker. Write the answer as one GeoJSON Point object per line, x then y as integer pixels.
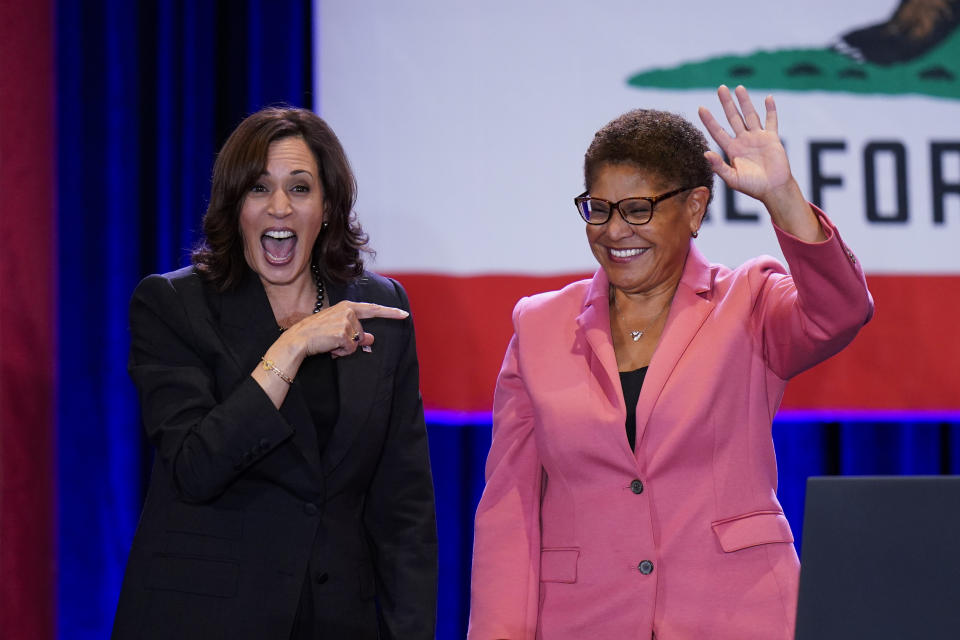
{"type": "Point", "coordinates": [660, 143]}
{"type": "Point", "coordinates": [241, 162]}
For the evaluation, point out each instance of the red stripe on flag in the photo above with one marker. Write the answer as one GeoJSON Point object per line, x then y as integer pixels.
{"type": "Point", "coordinates": [908, 357]}
{"type": "Point", "coordinates": [463, 327]}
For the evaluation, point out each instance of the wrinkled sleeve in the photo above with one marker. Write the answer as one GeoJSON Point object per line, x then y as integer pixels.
{"type": "Point", "coordinates": [504, 594]}
{"type": "Point", "coordinates": [203, 440]}
{"type": "Point", "coordinates": [399, 511]}
{"type": "Point", "coordinates": [816, 311]}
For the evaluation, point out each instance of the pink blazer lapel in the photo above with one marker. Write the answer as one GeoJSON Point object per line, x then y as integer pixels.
{"type": "Point", "coordinates": [688, 311]}
{"type": "Point", "coordinates": [594, 324]}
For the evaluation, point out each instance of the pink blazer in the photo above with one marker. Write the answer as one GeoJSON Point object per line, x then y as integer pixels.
{"type": "Point", "coordinates": [579, 537]}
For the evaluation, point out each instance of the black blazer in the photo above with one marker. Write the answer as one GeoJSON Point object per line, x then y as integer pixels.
{"type": "Point", "coordinates": [241, 501]}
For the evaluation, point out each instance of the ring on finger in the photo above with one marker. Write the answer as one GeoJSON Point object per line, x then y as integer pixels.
{"type": "Point", "coordinates": [356, 336]}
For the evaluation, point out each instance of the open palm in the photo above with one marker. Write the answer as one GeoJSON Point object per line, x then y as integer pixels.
{"type": "Point", "coordinates": [758, 164]}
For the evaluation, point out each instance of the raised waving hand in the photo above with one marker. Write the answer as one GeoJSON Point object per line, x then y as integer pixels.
{"type": "Point", "coordinates": [758, 164]}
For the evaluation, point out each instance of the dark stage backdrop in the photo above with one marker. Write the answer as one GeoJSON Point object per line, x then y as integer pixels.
{"type": "Point", "coordinates": [145, 94]}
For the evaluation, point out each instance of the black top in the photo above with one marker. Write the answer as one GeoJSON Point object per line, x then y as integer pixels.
{"type": "Point", "coordinates": [632, 382]}
{"type": "Point", "coordinates": [318, 377]}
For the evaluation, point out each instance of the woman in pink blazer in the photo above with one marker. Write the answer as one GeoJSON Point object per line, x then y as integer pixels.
{"type": "Point", "coordinates": [631, 481]}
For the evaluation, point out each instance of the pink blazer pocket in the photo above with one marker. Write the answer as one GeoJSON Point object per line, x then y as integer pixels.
{"type": "Point", "coordinates": [752, 529]}
{"type": "Point", "coordinates": [559, 564]}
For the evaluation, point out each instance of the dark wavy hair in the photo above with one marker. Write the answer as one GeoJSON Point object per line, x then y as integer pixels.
{"type": "Point", "coordinates": [656, 142]}
{"type": "Point", "coordinates": [240, 163]}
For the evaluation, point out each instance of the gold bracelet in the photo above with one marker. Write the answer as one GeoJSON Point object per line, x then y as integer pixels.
{"type": "Point", "coordinates": [268, 365]}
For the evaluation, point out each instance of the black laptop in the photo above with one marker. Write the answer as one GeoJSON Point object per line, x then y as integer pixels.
{"type": "Point", "coordinates": [880, 559]}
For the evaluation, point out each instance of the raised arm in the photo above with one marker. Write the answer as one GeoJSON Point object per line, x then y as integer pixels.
{"type": "Point", "coordinates": [815, 311]}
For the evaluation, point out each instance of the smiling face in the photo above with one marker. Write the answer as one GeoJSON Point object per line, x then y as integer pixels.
{"type": "Point", "coordinates": [282, 215]}
{"type": "Point", "coordinates": [644, 258]}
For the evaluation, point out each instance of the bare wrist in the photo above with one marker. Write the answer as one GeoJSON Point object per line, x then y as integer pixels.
{"type": "Point", "coordinates": [784, 200]}
{"type": "Point", "coordinates": [791, 212]}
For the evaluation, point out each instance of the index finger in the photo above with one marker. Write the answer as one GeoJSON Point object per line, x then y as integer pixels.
{"type": "Point", "coordinates": [716, 131]}
{"type": "Point", "coordinates": [366, 310]}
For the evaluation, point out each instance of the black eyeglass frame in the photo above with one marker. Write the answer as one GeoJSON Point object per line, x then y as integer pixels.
{"type": "Point", "coordinates": [653, 200]}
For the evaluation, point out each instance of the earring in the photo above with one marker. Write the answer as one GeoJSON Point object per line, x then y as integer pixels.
{"type": "Point", "coordinates": [323, 227]}
{"type": "Point", "coordinates": [694, 234]}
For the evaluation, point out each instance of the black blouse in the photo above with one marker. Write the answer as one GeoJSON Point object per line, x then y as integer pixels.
{"type": "Point", "coordinates": [632, 382]}
{"type": "Point", "coordinates": [318, 378]}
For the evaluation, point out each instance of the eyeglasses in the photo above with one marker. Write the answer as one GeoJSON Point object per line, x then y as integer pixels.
{"type": "Point", "coordinates": [633, 210]}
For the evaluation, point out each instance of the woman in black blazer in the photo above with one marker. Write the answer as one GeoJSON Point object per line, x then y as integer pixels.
{"type": "Point", "coordinates": [291, 493]}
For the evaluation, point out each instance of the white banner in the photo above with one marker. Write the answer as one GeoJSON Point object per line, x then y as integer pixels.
{"type": "Point", "coordinates": [466, 123]}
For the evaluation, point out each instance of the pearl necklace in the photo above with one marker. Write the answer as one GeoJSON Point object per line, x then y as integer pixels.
{"type": "Point", "coordinates": [316, 278]}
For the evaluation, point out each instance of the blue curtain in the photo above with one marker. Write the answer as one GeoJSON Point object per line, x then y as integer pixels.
{"type": "Point", "coordinates": [147, 92]}
{"type": "Point", "coordinates": [458, 452]}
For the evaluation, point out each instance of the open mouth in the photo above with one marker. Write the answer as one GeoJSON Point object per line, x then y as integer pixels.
{"type": "Point", "coordinates": [278, 245]}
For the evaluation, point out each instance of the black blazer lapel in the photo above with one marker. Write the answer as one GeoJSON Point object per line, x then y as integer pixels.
{"type": "Point", "coordinates": [358, 376]}
{"type": "Point", "coordinates": [248, 328]}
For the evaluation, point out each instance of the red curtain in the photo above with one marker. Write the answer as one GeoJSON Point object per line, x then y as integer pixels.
{"type": "Point", "coordinates": [27, 292]}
